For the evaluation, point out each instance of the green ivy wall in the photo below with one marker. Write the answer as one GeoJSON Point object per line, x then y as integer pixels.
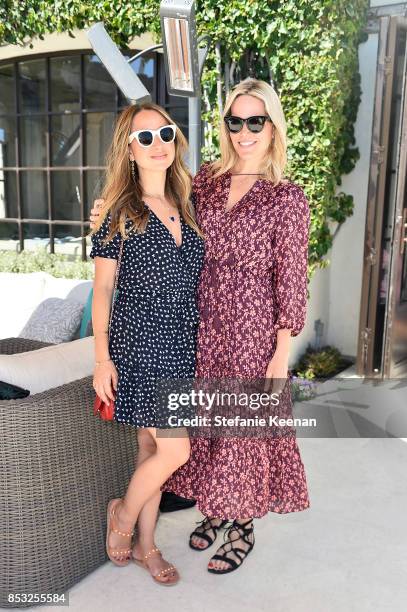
{"type": "Point", "coordinates": [309, 47]}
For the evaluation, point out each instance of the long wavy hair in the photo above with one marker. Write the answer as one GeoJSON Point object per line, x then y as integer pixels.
{"type": "Point", "coordinates": [122, 194]}
{"type": "Point", "coordinates": [275, 160]}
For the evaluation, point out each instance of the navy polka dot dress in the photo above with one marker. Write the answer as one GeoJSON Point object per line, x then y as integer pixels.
{"type": "Point", "coordinates": [155, 315]}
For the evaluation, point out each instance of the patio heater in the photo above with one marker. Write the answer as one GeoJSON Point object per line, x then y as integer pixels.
{"type": "Point", "coordinates": [183, 60]}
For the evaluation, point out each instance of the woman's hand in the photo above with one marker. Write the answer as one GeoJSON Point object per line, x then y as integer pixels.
{"type": "Point", "coordinates": [277, 372]}
{"type": "Point", "coordinates": [105, 377]}
{"type": "Point", "coordinates": [95, 212]}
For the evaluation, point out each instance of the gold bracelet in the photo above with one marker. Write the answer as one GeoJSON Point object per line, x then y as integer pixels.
{"type": "Point", "coordinates": [99, 362]}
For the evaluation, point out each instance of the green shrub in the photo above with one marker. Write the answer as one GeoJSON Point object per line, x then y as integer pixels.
{"type": "Point", "coordinates": [321, 363]}
{"type": "Point", "coordinates": [42, 261]}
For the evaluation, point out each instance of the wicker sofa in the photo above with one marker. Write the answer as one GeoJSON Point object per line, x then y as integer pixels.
{"type": "Point", "coordinates": [60, 465]}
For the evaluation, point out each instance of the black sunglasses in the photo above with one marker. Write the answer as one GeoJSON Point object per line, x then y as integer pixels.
{"type": "Point", "coordinates": [254, 123]}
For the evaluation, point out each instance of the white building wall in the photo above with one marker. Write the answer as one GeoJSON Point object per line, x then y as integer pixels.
{"type": "Point", "coordinates": [346, 254]}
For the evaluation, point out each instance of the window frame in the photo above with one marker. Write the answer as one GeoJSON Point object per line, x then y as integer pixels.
{"type": "Point", "coordinates": [159, 96]}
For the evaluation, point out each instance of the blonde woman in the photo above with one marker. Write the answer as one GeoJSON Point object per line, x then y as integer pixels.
{"type": "Point", "coordinates": [252, 298]}
{"type": "Point", "coordinates": [153, 331]}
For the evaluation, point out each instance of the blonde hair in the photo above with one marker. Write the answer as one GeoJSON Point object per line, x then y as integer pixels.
{"type": "Point", "coordinates": [123, 195]}
{"type": "Point", "coordinates": [276, 160]}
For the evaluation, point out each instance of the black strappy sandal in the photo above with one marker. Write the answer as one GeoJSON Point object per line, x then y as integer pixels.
{"type": "Point", "coordinates": [241, 554]}
{"type": "Point", "coordinates": [203, 534]}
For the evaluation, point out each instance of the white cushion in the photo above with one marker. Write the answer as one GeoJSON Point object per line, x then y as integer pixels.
{"type": "Point", "coordinates": [54, 320]}
{"type": "Point", "coordinates": [50, 366]}
{"type": "Point", "coordinates": [69, 288]}
{"type": "Point", "coordinates": [22, 293]}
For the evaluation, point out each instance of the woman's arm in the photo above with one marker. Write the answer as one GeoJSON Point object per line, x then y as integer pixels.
{"type": "Point", "coordinates": [103, 285]}
{"type": "Point", "coordinates": [105, 376]}
{"type": "Point", "coordinates": [289, 278]}
{"type": "Point", "coordinates": [106, 257]}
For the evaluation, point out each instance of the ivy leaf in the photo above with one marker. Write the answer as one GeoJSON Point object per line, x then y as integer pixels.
{"type": "Point", "coordinates": [282, 28]}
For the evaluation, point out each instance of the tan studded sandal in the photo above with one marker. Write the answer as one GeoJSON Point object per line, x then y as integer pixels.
{"type": "Point", "coordinates": [171, 571]}
{"type": "Point", "coordinates": [114, 554]}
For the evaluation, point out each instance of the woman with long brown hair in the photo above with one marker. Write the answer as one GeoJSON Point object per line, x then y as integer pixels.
{"type": "Point", "coordinates": [147, 205]}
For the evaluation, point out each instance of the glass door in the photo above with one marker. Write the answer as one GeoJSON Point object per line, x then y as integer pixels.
{"type": "Point", "coordinates": [395, 344]}
{"type": "Point", "coordinates": [382, 350]}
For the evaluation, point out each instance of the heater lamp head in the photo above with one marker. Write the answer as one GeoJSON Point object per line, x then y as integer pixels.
{"type": "Point", "coordinates": [180, 47]}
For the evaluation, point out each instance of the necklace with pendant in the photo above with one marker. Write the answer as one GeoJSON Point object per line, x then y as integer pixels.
{"type": "Point", "coordinates": [151, 195]}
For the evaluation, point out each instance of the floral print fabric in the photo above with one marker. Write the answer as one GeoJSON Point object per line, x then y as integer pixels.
{"type": "Point", "coordinates": [253, 282]}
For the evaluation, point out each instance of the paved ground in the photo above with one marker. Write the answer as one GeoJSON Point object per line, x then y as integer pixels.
{"type": "Point", "coordinates": [347, 553]}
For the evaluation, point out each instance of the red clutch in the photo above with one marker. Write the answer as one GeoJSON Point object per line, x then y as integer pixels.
{"type": "Point", "coordinates": [105, 411]}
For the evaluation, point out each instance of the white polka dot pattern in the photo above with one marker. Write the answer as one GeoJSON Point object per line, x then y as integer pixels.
{"type": "Point", "coordinates": [155, 317]}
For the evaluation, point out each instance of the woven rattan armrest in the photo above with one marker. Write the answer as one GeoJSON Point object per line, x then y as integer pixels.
{"type": "Point", "coordinates": [10, 346]}
{"type": "Point", "coordinates": [60, 467]}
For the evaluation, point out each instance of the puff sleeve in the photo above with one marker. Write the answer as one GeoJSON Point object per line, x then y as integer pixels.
{"type": "Point", "coordinates": [290, 261]}
{"type": "Point", "coordinates": [110, 249]}
{"type": "Point", "coordinates": [199, 184]}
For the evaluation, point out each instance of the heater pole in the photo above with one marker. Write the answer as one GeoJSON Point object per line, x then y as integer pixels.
{"type": "Point", "coordinates": [194, 114]}
{"type": "Point", "coordinates": [194, 134]}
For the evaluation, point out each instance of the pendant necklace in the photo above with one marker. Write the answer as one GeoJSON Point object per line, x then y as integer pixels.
{"type": "Point", "coordinates": [150, 195]}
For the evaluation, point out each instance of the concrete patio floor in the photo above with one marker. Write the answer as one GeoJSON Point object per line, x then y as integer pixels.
{"type": "Point", "coordinates": [346, 553]}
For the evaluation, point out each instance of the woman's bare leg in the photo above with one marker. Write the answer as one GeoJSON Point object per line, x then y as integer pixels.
{"type": "Point", "coordinates": [148, 515]}
{"type": "Point", "coordinates": [147, 519]}
{"type": "Point", "coordinates": [170, 453]}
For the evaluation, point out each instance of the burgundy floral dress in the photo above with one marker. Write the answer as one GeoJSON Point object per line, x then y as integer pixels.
{"type": "Point", "coordinates": [253, 282]}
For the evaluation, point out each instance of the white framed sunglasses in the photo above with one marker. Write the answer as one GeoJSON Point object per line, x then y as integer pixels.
{"type": "Point", "coordinates": [145, 138]}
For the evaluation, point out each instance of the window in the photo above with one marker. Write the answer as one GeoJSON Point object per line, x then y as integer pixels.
{"type": "Point", "coordinates": [57, 114]}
